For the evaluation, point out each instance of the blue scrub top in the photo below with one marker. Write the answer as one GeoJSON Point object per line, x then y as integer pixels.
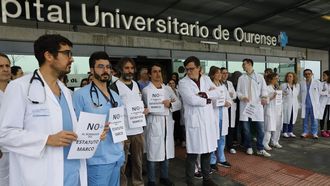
{"type": "Point", "coordinates": [107, 152]}
{"type": "Point", "coordinates": [71, 167]}
{"type": "Point", "coordinates": [220, 119]}
{"type": "Point", "coordinates": [308, 101]}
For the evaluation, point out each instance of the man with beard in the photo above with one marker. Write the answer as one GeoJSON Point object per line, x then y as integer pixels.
{"type": "Point", "coordinates": [37, 121]}
{"type": "Point", "coordinates": [4, 79]}
{"type": "Point", "coordinates": [97, 97]}
{"type": "Point", "coordinates": [129, 92]}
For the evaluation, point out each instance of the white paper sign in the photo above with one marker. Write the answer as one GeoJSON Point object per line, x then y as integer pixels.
{"type": "Point", "coordinates": [155, 99]}
{"type": "Point", "coordinates": [89, 130]}
{"type": "Point", "coordinates": [136, 118]}
{"type": "Point", "coordinates": [278, 98]}
{"type": "Point", "coordinates": [250, 110]}
{"type": "Point", "coordinates": [117, 125]}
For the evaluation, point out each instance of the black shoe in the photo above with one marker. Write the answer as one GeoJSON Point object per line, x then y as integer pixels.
{"type": "Point", "coordinates": [224, 164]}
{"type": "Point", "coordinates": [151, 183]}
{"type": "Point", "coordinates": [213, 168]}
{"type": "Point", "coordinates": [166, 181]}
{"type": "Point", "coordinates": [209, 182]}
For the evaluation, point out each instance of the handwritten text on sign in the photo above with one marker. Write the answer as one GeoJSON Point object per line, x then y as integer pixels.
{"type": "Point", "coordinates": [155, 100]}
{"type": "Point", "coordinates": [117, 125]}
{"type": "Point", "coordinates": [136, 118]}
{"type": "Point", "coordinates": [89, 130]}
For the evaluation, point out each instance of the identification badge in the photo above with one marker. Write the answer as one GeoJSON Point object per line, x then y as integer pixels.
{"type": "Point", "coordinates": [39, 111]}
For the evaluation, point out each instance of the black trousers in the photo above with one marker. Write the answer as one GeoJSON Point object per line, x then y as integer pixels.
{"type": "Point", "coordinates": [190, 166]}
{"type": "Point", "coordinates": [325, 118]}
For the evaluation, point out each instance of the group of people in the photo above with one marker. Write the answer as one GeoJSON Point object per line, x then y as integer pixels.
{"type": "Point", "coordinates": [39, 116]}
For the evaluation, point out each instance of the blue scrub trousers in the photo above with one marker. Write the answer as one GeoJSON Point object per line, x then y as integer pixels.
{"type": "Point", "coordinates": [104, 175]}
{"type": "Point", "coordinates": [314, 124]}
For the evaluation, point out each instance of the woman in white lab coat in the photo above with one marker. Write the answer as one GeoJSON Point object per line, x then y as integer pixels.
{"type": "Point", "coordinates": [290, 94]}
{"type": "Point", "coordinates": [220, 106]}
{"type": "Point", "coordinates": [325, 104]}
{"type": "Point", "coordinates": [273, 114]}
{"type": "Point", "coordinates": [25, 127]}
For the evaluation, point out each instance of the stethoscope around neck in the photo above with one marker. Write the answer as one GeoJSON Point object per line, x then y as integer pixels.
{"type": "Point", "coordinates": [93, 89]}
{"type": "Point", "coordinates": [37, 77]}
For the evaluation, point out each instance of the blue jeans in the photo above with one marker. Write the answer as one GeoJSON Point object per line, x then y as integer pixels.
{"type": "Point", "coordinates": [247, 133]}
{"type": "Point", "coordinates": [220, 153]}
{"type": "Point", "coordinates": [314, 124]}
{"type": "Point", "coordinates": [152, 167]}
{"type": "Point", "coordinates": [104, 175]}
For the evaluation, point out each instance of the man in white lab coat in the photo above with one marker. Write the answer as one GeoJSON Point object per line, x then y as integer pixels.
{"type": "Point", "coordinates": [251, 91]}
{"type": "Point", "coordinates": [4, 155]}
{"type": "Point", "coordinates": [310, 103]}
{"type": "Point", "coordinates": [159, 132]}
{"type": "Point", "coordinates": [37, 121]}
{"type": "Point", "coordinates": [197, 91]}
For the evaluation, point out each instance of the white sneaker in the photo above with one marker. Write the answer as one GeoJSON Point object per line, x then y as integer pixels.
{"type": "Point", "coordinates": [267, 147]}
{"type": "Point", "coordinates": [232, 151]}
{"type": "Point", "coordinates": [277, 146]}
{"type": "Point", "coordinates": [292, 135]}
{"type": "Point", "coordinates": [286, 135]}
{"type": "Point", "coordinates": [249, 151]}
{"type": "Point", "coordinates": [263, 153]}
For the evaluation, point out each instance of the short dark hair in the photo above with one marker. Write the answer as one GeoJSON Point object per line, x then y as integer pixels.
{"type": "Point", "coordinates": [327, 72]}
{"type": "Point", "coordinates": [213, 70]}
{"type": "Point", "coordinates": [270, 77]}
{"type": "Point", "coordinates": [4, 56]}
{"type": "Point", "coordinates": [307, 69]}
{"type": "Point", "coordinates": [97, 56]}
{"type": "Point", "coordinates": [51, 43]}
{"type": "Point", "coordinates": [153, 65]}
{"type": "Point", "coordinates": [14, 70]}
{"type": "Point", "coordinates": [248, 61]}
{"type": "Point", "coordinates": [223, 68]}
{"type": "Point", "coordinates": [193, 59]}
{"type": "Point", "coordinates": [123, 61]}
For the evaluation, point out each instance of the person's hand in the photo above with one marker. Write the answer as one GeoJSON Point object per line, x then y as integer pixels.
{"type": "Point", "coordinates": [105, 131]}
{"type": "Point", "coordinates": [263, 101]}
{"type": "Point", "coordinates": [274, 95]}
{"type": "Point", "coordinates": [61, 139]}
{"type": "Point", "coordinates": [245, 99]}
{"type": "Point", "coordinates": [167, 103]}
{"type": "Point", "coordinates": [202, 95]}
{"type": "Point", "coordinates": [231, 94]}
{"type": "Point", "coordinates": [227, 104]}
{"type": "Point", "coordinates": [146, 111]}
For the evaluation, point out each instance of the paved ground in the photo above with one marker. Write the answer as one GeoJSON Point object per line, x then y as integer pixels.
{"type": "Point", "coordinates": [299, 162]}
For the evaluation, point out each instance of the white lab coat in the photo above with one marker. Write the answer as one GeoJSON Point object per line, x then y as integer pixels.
{"type": "Point", "coordinates": [270, 110]}
{"type": "Point", "coordinates": [160, 128]}
{"type": "Point", "coordinates": [4, 161]}
{"type": "Point", "coordinates": [290, 102]}
{"type": "Point", "coordinates": [258, 90]}
{"type": "Point", "coordinates": [314, 92]}
{"type": "Point", "coordinates": [24, 135]}
{"type": "Point", "coordinates": [233, 106]}
{"type": "Point", "coordinates": [225, 117]}
{"type": "Point", "coordinates": [201, 133]}
{"type": "Point", "coordinates": [324, 99]}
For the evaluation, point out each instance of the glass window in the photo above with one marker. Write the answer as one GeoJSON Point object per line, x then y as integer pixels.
{"type": "Point", "coordinates": [315, 66]}
{"type": "Point", "coordinates": [29, 63]}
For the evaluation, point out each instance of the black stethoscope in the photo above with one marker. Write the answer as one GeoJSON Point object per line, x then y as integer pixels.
{"type": "Point", "coordinates": [93, 89]}
{"type": "Point", "coordinates": [37, 77]}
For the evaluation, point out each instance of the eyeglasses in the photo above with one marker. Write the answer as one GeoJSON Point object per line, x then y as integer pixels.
{"type": "Point", "coordinates": [68, 53]}
{"type": "Point", "coordinates": [101, 66]}
{"type": "Point", "coordinates": [190, 69]}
